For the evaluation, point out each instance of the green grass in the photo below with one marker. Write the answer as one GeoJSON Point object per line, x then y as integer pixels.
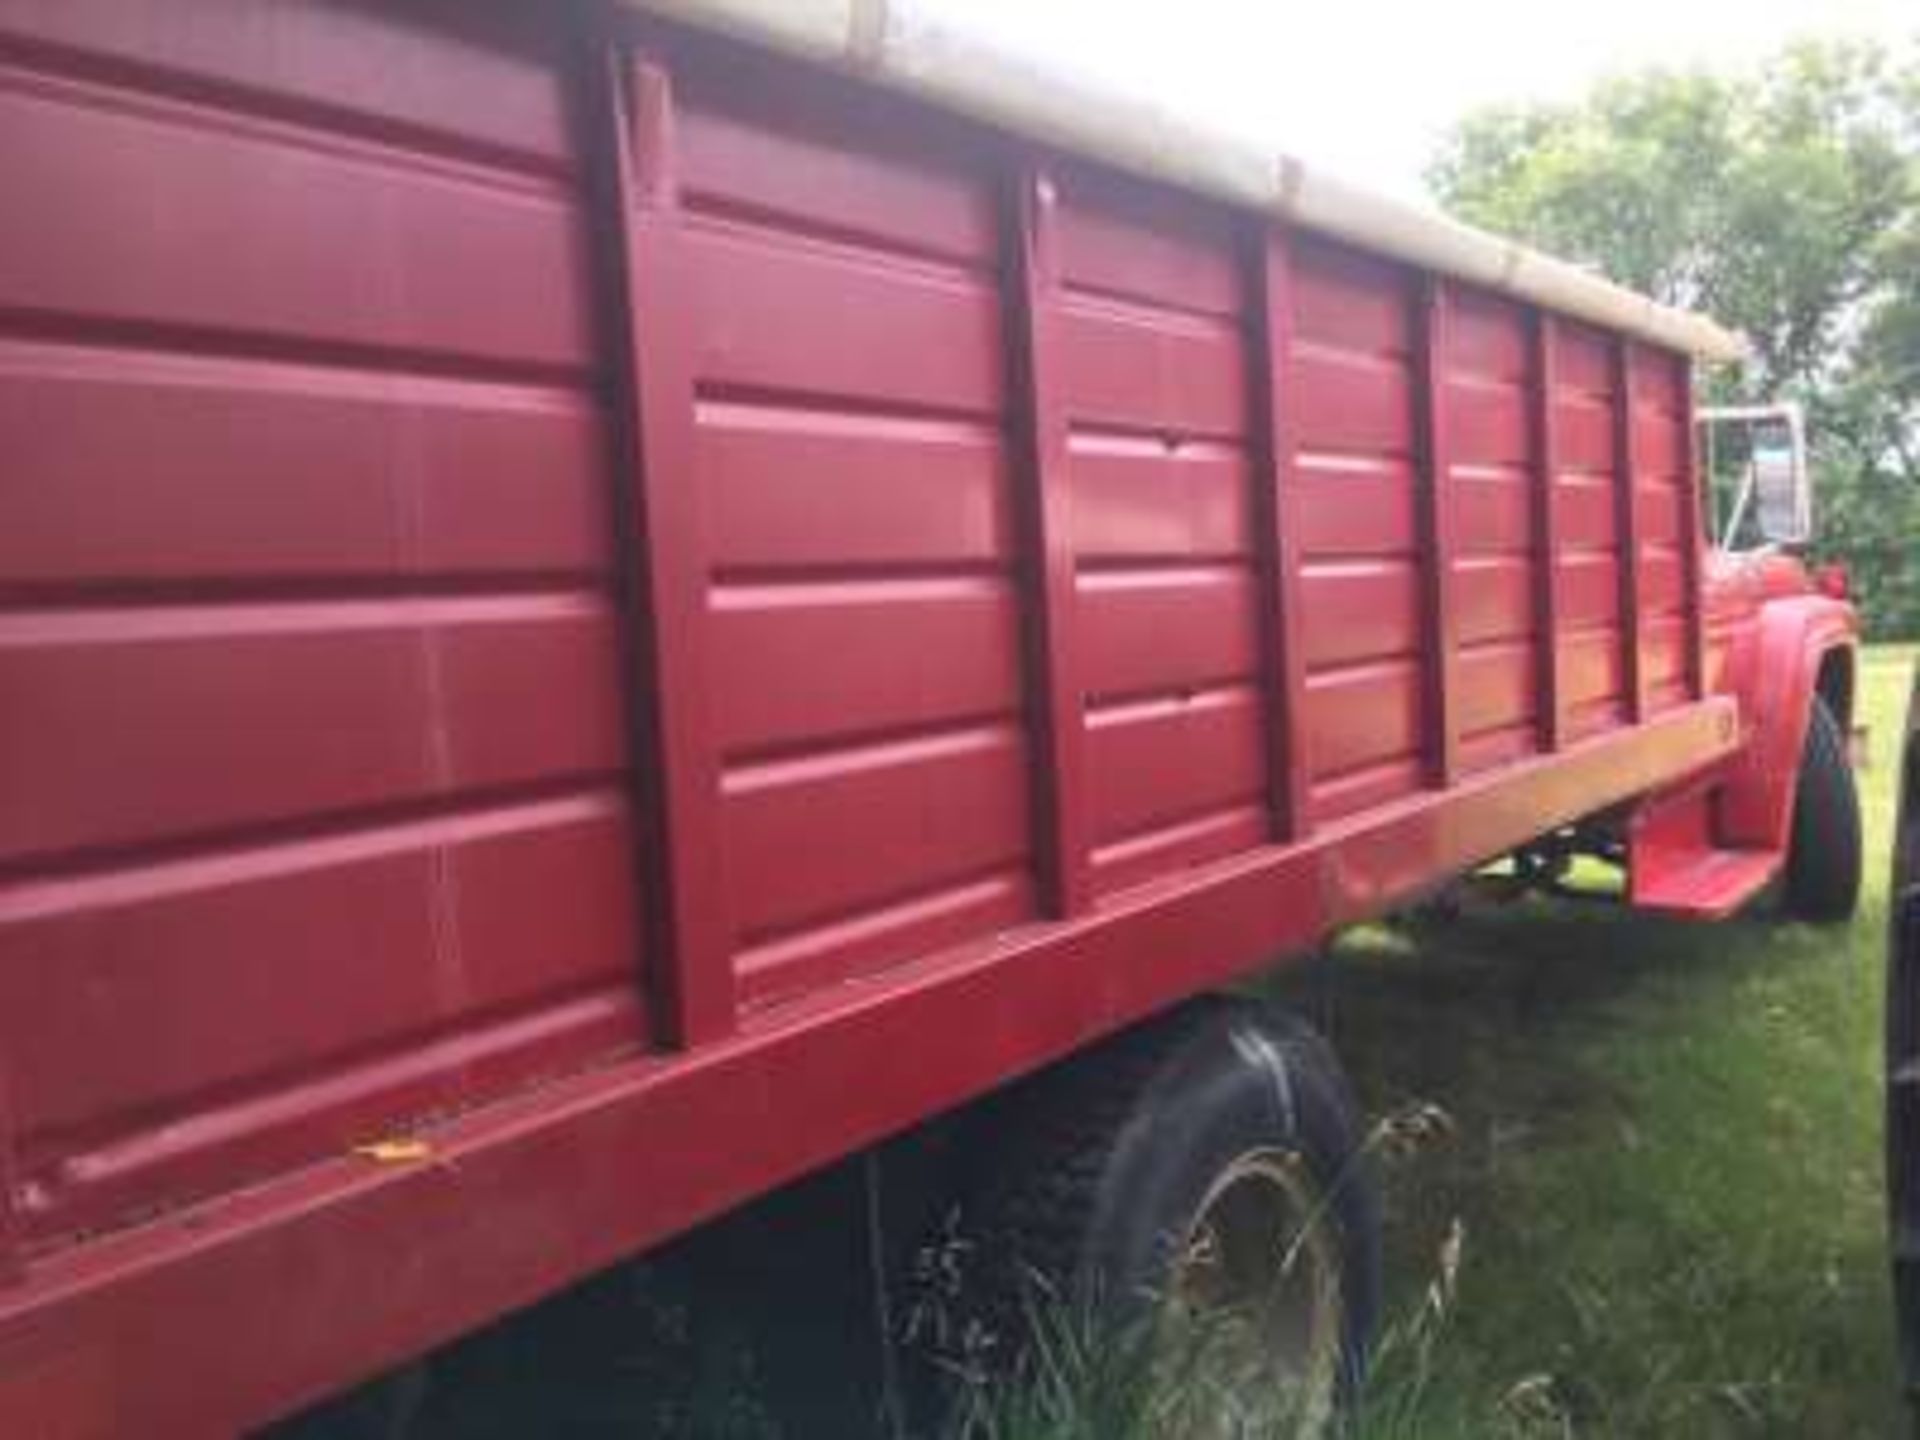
{"type": "Point", "coordinates": [1645, 1198]}
{"type": "Point", "coordinates": [1663, 1160]}
{"type": "Point", "coordinates": [1651, 1163]}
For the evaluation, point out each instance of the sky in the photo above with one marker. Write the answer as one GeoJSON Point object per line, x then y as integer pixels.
{"type": "Point", "coordinates": [1369, 87]}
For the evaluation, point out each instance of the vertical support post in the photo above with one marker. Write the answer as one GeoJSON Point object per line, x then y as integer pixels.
{"type": "Point", "coordinates": [1543, 375]}
{"type": "Point", "coordinates": [1692, 540]}
{"type": "Point", "coordinates": [1038, 437]}
{"type": "Point", "coordinates": [652, 407]}
{"type": "Point", "coordinates": [1278, 538]}
{"type": "Point", "coordinates": [1441, 744]}
{"type": "Point", "coordinates": [1627, 513]}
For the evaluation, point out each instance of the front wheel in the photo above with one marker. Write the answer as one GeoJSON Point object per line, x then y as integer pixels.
{"type": "Point", "coordinates": [1197, 1193]}
{"type": "Point", "coordinates": [1823, 855]}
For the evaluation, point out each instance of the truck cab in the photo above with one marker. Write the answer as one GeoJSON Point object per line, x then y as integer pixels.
{"type": "Point", "coordinates": [1781, 638]}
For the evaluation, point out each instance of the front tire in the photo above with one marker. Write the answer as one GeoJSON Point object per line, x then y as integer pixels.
{"type": "Point", "coordinates": [1208, 1168]}
{"type": "Point", "coordinates": [1823, 855]}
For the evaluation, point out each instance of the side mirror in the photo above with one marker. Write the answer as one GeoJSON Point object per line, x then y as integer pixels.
{"type": "Point", "coordinates": [1783, 499]}
{"type": "Point", "coordinates": [1773, 495]}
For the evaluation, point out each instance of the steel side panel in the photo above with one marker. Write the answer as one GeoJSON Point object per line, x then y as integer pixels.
{"type": "Point", "coordinates": [562, 1181]}
{"type": "Point", "coordinates": [1096, 560]}
{"type": "Point", "coordinates": [299, 504]}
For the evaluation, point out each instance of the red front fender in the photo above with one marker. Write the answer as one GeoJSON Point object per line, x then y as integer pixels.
{"type": "Point", "coordinates": [1793, 639]}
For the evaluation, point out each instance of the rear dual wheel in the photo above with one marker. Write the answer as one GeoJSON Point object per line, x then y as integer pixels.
{"type": "Point", "coordinates": [1192, 1198]}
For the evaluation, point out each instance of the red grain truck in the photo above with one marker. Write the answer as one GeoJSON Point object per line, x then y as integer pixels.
{"type": "Point", "coordinates": [602, 609]}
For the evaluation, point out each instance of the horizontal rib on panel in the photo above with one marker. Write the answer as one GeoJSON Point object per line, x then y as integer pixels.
{"type": "Point", "coordinates": [1355, 505]}
{"type": "Point", "coordinates": [1584, 362]}
{"type": "Point", "coordinates": [1661, 515]}
{"type": "Point", "coordinates": [1493, 482]}
{"type": "Point", "coordinates": [1665, 651]}
{"type": "Point", "coordinates": [1662, 580]}
{"type": "Point", "coordinates": [1348, 301]}
{"type": "Point", "coordinates": [1147, 630]}
{"type": "Point", "coordinates": [864, 623]}
{"type": "Point", "coordinates": [947, 915]}
{"type": "Point", "coordinates": [154, 469]}
{"type": "Point", "coordinates": [434, 84]}
{"type": "Point", "coordinates": [1496, 686]}
{"type": "Point", "coordinates": [127, 726]}
{"type": "Point", "coordinates": [1489, 749]}
{"type": "Point", "coordinates": [1361, 716]}
{"type": "Point", "coordinates": [1351, 403]}
{"type": "Point", "coordinates": [1589, 520]}
{"type": "Point", "coordinates": [1659, 443]}
{"type": "Point", "coordinates": [1493, 511]}
{"type": "Point", "coordinates": [1486, 424]}
{"type": "Point", "coordinates": [1353, 791]}
{"type": "Point", "coordinates": [1589, 589]}
{"type": "Point", "coordinates": [788, 315]}
{"type": "Point", "coordinates": [1154, 376]}
{"type": "Point", "coordinates": [1154, 379]}
{"type": "Point", "coordinates": [1584, 435]}
{"type": "Point", "coordinates": [1358, 609]}
{"type": "Point", "coordinates": [1129, 240]}
{"type": "Point", "coordinates": [1154, 763]}
{"type": "Point", "coordinates": [155, 215]}
{"type": "Point", "coordinates": [1590, 669]}
{"type": "Point", "coordinates": [814, 662]}
{"type": "Point", "coordinates": [1350, 396]}
{"type": "Point", "coordinates": [367, 1096]}
{"type": "Point", "coordinates": [1663, 441]}
{"type": "Point", "coordinates": [785, 155]}
{"type": "Point", "coordinates": [1153, 499]}
{"type": "Point", "coordinates": [1586, 569]}
{"type": "Point", "coordinates": [1350, 388]}
{"type": "Point", "coordinates": [1164, 852]}
{"type": "Point", "coordinates": [818, 490]}
{"type": "Point", "coordinates": [511, 903]}
{"type": "Point", "coordinates": [1131, 367]}
{"type": "Point", "coordinates": [1487, 338]}
{"type": "Point", "coordinates": [1492, 598]}
{"type": "Point", "coordinates": [824, 836]}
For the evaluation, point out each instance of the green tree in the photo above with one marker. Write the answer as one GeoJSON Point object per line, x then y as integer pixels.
{"type": "Point", "coordinates": [1786, 202]}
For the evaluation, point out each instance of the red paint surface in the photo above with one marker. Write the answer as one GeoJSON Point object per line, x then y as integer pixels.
{"type": "Point", "coordinates": [654, 617]}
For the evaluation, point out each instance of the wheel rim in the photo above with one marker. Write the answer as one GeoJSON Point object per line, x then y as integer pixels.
{"type": "Point", "coordinates": [1258, 1274]}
